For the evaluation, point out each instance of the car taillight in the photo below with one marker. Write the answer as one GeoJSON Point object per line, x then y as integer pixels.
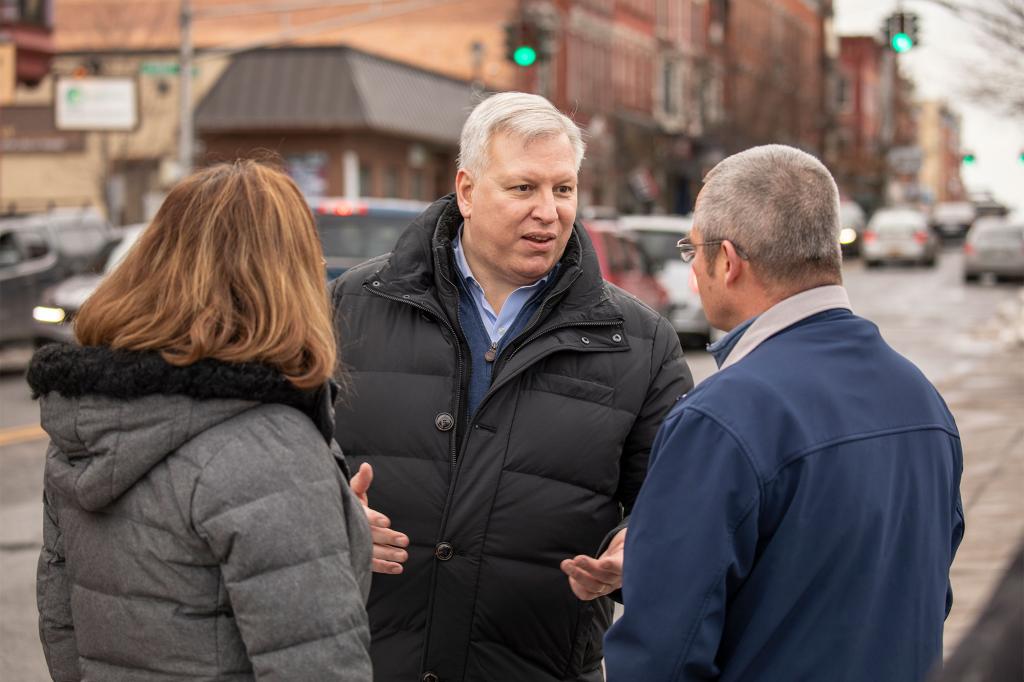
{"type": "Point", "coordinates": [968, 249]}
{"type": "Point", "coordinates": [921, 237]}
{"type": "Point", "coordinates": [869, 236]}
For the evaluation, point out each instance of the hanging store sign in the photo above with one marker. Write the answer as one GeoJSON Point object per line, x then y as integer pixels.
{"type": "Point", "coordinates": [96, 103]}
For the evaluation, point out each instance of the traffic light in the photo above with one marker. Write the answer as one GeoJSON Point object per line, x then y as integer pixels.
{"type": "Point", "coordinates": [969, 159]}
{"type": "Point", "coordinates": [912, 29]}
{"type": "Point", "coordinates": [527, 42]}
{"type": "Point", "coordinates": [901, 30]}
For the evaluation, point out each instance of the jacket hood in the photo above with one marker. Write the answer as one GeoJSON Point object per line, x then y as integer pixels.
{"type": "Point", "coordinates": [422, 263]}
{"type": "Point", "coordinates": [113, 415]}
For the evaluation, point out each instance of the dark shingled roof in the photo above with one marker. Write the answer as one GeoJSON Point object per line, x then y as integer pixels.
{"type": "Point", "coordinates": [333, 88]}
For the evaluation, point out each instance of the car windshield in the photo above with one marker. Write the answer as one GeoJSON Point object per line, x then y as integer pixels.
{"type": "Point", "coordinates": [897, 223]}
{"type": "Point", "coordinates": [1002, 235]}
{"type": "Point", "coordinates": [956, 211]}
{"type": "Point", "coordinates": [80, 239]}
{"type": "Point", "coordinates": [360, 237]}
{"type": "Point", "coordinates": [659, 246]}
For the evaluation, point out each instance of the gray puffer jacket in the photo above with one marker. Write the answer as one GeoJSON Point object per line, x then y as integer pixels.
{"type": "Point", "coordinates": [198, 524]}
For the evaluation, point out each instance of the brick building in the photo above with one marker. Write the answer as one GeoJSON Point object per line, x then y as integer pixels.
{"type": "Point", "coordinates": [860, 171]}
{"type": "Point", "coordinates": [664, 88]}
{"type": "Point", "coordinates": [775, 72]}
{"type": "Point", "coordinates": [345, 122]}
{"type": "Point", "coordinates": [939, 140]}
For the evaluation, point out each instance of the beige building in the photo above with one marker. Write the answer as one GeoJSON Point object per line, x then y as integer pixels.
{"type": "Point", "coordinates": [129, 172]}
{"type": "Point", "coordinates": [939, 140]}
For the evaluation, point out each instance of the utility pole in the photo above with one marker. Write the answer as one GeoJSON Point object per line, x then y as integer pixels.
{"type": "Point", "coordinates": [186, 139]}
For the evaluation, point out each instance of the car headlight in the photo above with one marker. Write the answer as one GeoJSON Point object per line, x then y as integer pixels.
{"type": "Point", "coordinates": [42, 313]}
{"type": "Point", "coordinates": [847, 235]}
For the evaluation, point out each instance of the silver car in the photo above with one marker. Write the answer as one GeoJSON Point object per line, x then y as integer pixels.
{"type": "Point", "coordinates": [58, 305]}
{"type": "Point", "coordinates": [995, 246]}
{"type": "Point", "coordinates": [899, 235]}
{"type": "Point", "coordinates": [658, 235]}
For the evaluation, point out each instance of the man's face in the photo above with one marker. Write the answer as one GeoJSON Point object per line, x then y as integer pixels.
{"type": "Point", "coordinates": [519, 213]}
{"type": "Point", "coordinates": [710, 290]}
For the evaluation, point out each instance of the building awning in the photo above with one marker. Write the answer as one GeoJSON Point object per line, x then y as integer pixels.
{"type": "Point", "coordinates": [316, 89]}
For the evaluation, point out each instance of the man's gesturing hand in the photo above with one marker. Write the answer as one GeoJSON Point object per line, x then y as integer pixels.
{"type": "Point", "coordinates": [592, 578]}
{"type": "Point", "coordinates": [388, 545]}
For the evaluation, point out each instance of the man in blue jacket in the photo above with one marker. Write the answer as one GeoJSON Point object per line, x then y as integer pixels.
{"type": "Point", "coordinates": [802, 508]}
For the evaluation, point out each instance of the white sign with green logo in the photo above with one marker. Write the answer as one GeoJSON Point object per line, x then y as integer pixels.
{"type": "Point", "coordinates": [95, 103]}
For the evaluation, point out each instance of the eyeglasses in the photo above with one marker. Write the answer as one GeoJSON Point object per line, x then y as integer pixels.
{"type": "Point", "coordinates": [688, 249]}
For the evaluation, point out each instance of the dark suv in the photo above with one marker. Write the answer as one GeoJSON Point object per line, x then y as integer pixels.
{"type": "Point", "coordinates": [355, 230]}
{"type": "Point", "coordinates": [28, 265]}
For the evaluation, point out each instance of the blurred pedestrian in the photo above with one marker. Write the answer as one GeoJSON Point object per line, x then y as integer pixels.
{"type": "Point", "coordinates": [993, 649]}
{"type": "Point", "coordinates": [197, 518]}
{"type": "Point", "coordinates": [802, 507]}
{"type": "Point", "coordinates": [506, 397]}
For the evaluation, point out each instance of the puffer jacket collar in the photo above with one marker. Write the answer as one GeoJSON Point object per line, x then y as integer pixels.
{"type": "Point", "coordinates": [115, 414]}
{"type": "Point", "coordinates": [421, 270]}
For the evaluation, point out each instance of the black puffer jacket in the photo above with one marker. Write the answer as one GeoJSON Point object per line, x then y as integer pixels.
{"type": "Point", "coordinates": [554, 455]}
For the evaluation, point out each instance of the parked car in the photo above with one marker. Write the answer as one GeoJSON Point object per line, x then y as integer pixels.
{"type": "Point", "coordinates": [952, 219]}
{"type": "Point", "coordinates": [28, 265]}
{"type": "Point", "coordinates": [658, 235]}
{"type": "Point", "coordinates": [899, 235]}
{"type": "Point", "coordinates": [625, 264]}
{"type": "Point", "coordinates": [851, 227]}
{"type": "Point", "coordinates": [81, 237]}
{"type": "Point", "coordinates": [995, 246]}
{"type": "Point", "coordinates": [58, 305]}
{"type": "Point", "coordinates": [352, 231]}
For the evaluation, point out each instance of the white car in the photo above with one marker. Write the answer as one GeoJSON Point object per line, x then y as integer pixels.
{"type": "Point", "coordinates": [899, 235]}
{"type": "Point", "coordinates": [658, 235]}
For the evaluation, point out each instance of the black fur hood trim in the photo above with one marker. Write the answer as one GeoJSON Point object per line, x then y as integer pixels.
{"type": "Point", "coordinates": [75, 371]}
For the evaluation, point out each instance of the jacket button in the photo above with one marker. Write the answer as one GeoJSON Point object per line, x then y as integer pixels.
{"type": "Point", "coordinates": [430, 677]}
{"type": "Point", "coordinates": [444, 551]}
{"type": "Point", "coordinates": [444, 422]}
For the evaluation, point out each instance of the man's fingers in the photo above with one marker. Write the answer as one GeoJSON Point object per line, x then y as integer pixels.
{"type": "Point", "coordinates": [585, 585]}
{"type": "Point", "coordinates": [360, 482]}
{"type": "Point", "coordinates": [376, 519]}
{"type": "Point", "coordinates": [602, 570]}
{"type": "Point", "coordinates": [390, 553]}
{"type": "Point", "coordinates": [386, 536]}
{"type": "Point", "coordinates": [389, 567]}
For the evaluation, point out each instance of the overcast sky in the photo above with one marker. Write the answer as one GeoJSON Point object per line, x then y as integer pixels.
{"type": "Point", "coordinates": [939, 67]}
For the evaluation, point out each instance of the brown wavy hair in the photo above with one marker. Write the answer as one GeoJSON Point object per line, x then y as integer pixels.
{"type": "Point", "coordinates": [231, 268]}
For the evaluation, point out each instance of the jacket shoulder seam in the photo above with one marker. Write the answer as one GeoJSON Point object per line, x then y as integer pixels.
{"type": "Point", "coordinates": [867, 435]}
{"type": "Point", "coordinates": [744, 448]}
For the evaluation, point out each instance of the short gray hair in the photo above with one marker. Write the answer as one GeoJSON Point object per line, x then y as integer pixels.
{"type": "Point", "coordinates": [519, 114]}
{"type": "Point", "coordinates": [780, 206]}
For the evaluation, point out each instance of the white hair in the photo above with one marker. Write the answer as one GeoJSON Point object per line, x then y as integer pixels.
{"type": "Point", "coordinates": [518, 114]}
{"type": "Point", "coordinates": [780, 206]}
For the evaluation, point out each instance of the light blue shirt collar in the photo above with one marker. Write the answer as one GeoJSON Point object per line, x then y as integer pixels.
{"type": "Point", "coordinates": [497, 324]}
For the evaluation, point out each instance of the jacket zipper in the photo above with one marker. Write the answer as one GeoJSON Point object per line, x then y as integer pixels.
{"type": "Point", "coordinates": [459, 370]}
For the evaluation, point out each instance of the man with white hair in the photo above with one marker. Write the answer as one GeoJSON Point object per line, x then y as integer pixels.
{"type": "Point", "coordinates": [802, 507]}
{"type": "Point", "coordinates": [506, 397]}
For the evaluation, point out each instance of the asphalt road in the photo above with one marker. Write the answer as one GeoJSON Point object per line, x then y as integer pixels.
{"type": "Point", "coordinates": [962, 337]}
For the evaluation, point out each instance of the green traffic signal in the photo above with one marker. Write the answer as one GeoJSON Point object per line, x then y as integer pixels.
{"type": "Point", "coordinates": [524, 55]}
{"type": "Point", "coordinates": [969, 159]}
{"type": "Point", "coordinates": [901, 42]}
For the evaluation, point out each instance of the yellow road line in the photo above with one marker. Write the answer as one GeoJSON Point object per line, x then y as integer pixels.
{"type": "Point", "coordinates": [21, 434]}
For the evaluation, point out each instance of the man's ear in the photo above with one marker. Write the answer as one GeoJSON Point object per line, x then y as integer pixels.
{"type": "Point", "coordinates": [464, 192]}
{"type": "Point", "coordinates": [734, 264]}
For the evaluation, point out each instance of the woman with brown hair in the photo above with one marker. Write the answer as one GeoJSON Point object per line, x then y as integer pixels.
{"type": "Point", "coordinates": [198, 523]}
